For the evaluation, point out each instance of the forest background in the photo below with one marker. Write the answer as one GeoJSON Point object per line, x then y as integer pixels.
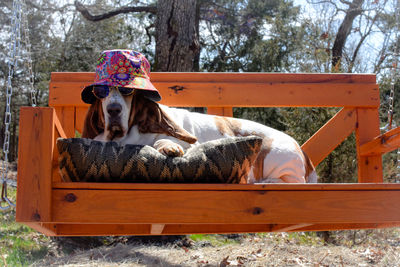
{"type": "Point", "coordinates": [327, 36]}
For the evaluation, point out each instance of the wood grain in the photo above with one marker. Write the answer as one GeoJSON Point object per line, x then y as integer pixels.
{"type": "Point", "coordinates": [384, 143]}
{"type": "Point", "coordinates": [182, 229]}
{"type": "Point", "coordinates": [244, 94]}
{"type": "Point", "coordinates": [369, 167]}
{"type": "Point", "coordinates": [225, 111]}
{"type": "Point", "coordinates": [230, 187]}
{"type": "Point", "coordinates": [225, 207]}
{"type": "Point", "coordinates": [66, 116]}
{"type": "Point", "coordinates": [48, 229]}
{"type": "Point", "coordinates": [35, 158]}
{"type": "Point", "coordinates": [88, 77]}
{"type": "Point", "coordinates": [329, 136]}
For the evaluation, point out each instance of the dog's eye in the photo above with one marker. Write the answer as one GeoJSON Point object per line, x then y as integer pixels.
{"type": "Point", "coordinates": [125, 90]}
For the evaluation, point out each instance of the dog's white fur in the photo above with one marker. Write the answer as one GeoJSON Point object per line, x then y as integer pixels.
{"type": "Point", "coordinates": [283, 160]}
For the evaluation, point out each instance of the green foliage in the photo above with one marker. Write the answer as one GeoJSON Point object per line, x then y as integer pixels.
{"type": "Point", "coordinates": [390, 170]}
{"type": "Point", "coordinates": [214, 240]}
{"type": "Point", "coordinates": [19, 245]}
{"type": "Point", "coordinates": [341, 165]}
{"type": "Point", "coordinates": [249, 36]}
{"type": "Point", "coordinates": [304, 238]}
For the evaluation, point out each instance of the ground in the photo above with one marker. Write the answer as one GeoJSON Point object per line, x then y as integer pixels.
{"type": "Point", "coordinates": [378, 248]}
{"type": "Point", "coordinates": [21, 246]}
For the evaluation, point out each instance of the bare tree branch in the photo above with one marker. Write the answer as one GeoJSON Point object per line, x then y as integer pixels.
{"type": "Point", "coordinates": [362, 39]}
{"type": "Point", "coordinates": [344, 31]}
{"type": "Point", "coordinates": [383, 54]}
{"type": "Point", "coordinates": [123, 10]}
{"type": "Point", "coordinates": [148, 32]}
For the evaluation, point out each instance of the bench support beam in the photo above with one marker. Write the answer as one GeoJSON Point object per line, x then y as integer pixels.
{"type": "Point", "coordinates": [369, 167]}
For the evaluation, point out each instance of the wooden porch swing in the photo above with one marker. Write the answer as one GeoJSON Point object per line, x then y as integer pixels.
{"type": "Point", "coordinates": [58, 208]}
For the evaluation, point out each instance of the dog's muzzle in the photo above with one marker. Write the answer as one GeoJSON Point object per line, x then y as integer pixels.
{"type": "Point", "coordinates": [114, 126]}
{"type": "Point", "coordinates": [114, 109]}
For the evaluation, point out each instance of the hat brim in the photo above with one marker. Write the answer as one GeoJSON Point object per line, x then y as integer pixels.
{"type": "Point", "coordinates": [138, 83]}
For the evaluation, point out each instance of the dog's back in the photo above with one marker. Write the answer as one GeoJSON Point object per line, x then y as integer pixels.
{"type": "Point", "coordinates": [280, 160]}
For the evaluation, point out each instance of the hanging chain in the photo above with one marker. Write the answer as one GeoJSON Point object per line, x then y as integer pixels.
{"type": "Point", "coordinates": [393, 80]}
{"type": "Point", "coordinates": [18, 21]}
{"type": "Point", "coordinates": [393, 74]}
{"type": "Point", "coordinates": [15, 45]}
{"type": "Point", "coordinates": [28, 60]}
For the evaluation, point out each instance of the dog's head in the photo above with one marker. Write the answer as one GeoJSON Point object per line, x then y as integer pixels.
{"type": "Point", "coordinates": [115, 114]}
{"type": "Point", "coordinates": [116, 110]}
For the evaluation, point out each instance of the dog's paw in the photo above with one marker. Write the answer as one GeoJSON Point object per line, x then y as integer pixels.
{"type": "Point", "coordinates": [172, 150]}
{"type": "Point", "coordinates": [169, 148]}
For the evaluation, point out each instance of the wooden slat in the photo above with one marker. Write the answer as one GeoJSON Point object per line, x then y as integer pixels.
{"type": "Point", "coordinates": [241, 207]}
{"type": "Point", "coordinates": [60, 130]}
{"type": "Point", "coordinates": [369, 167]}
{"type": "Point", "coordinates": [289, 227]}
{"type": "Point", "coordinates": [59, 133]}
{"type": "Point", "coordinates": [332, 134]}
{"type": "Point", "coordinates": [250, 94]}
{"type": "Point", "coordinates": [35, 154]}
{"type": "Point", "coordinates": [347, 226]}
{"type": "Point", "coordinates": [102, 229]}
{"type": "Point", "coordinates": [224, 111]}
{"type": "Point", "coordinates": [229, 187]}
{"type": "Point", "coordinates": [182, 229]}
{"type": "Point", "coordinates": [48, 229]}
{"type": "Point", "coordinates": [88, 77]}
{"type": "Point", "coordinates": [198, 94]}
{"type": "Point", "coordinates": [169, 229]}
{"type": "Point", "coordinates": [384, 143]}
{"type": "Point", "coordinates": [157, 229]}
{"type": "Point", "coordinates": [66, 116]}
{"type": "Point", "coordinates": [56, 177]}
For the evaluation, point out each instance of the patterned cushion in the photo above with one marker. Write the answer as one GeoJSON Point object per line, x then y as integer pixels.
{"type": "Point", "coordinates": [220, 161]}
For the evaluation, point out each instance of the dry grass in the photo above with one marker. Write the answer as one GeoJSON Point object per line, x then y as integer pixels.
{"type": "Point", "coordinates": [378, 248]}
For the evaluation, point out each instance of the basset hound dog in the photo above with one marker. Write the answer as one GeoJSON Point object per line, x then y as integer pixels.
{"type": "Point", "coordinates": [125, 110]}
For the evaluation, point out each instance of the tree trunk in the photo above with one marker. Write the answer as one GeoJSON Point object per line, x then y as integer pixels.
{"type": "Point", "coordinates": [177, 44]}
{"type": "Point", "coordinates": [343, 32]}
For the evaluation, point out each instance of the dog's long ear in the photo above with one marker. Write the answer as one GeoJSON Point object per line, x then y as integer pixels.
{"type": "Point", "coordinates": [94, 121]}
{"type": "Point", "coordinates": [150, 118]}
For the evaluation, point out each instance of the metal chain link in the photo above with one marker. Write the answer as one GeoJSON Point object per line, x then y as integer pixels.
{"type": "Point", "coordinates": [28, 61]}
{"type": "Point", "coordinates": [393, 72]}
{"type": "Point", "coordinates": [15, 45]}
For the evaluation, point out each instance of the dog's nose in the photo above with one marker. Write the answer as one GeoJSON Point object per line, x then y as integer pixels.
{"type": "Point", "coordinates": [114, 109]}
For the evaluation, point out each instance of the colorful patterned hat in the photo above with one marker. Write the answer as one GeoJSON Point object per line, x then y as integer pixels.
{"type": "Point", "coordinates": [122, 68]}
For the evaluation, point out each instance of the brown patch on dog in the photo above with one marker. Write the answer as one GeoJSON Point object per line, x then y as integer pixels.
{"type": "Point", "coordinates": [228, 126]}
{"type": "Point", "coordinates": [258, 166]}
{"type": "Point", "coordinates": [150, 118]}
{"type": "Point", "coordinates": [94, 121]}
{"type": "Point", "coordinates": [115, 131]}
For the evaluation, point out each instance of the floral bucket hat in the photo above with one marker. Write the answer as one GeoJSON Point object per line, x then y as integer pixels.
{"type": "Point", "coordinates": [122, 68]}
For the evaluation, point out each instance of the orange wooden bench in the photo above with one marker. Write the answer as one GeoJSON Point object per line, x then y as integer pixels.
{"type": "Point", "coordinates": [53, 207]}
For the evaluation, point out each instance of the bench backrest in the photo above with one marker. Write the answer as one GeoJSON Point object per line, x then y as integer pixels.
{"type": "Point", "coordinates": [219, 92]}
